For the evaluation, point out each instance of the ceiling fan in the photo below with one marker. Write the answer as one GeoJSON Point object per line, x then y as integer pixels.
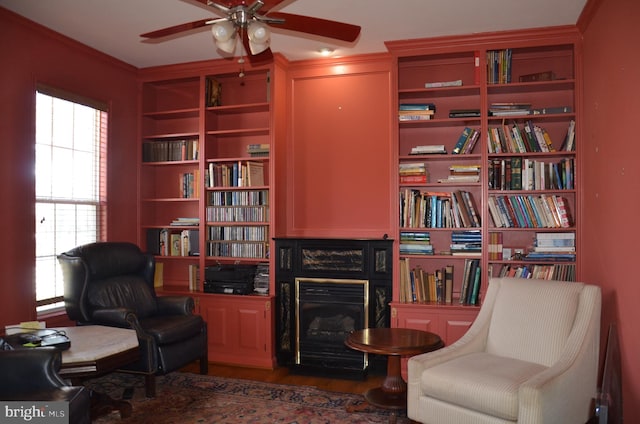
{"type": "Point", "coordinates": [250, 23]}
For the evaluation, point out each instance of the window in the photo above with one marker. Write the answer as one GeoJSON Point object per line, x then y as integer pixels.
{"type": "Point", "coordinates": [70, 204]}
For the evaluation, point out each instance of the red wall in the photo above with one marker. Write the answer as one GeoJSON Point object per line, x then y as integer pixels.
{"type": "Point", "coordinates": [32, 54]}
{"type": "Point", "coordinates": [612, 164]}
{"type": "Point", "coordinates": [339, 148]}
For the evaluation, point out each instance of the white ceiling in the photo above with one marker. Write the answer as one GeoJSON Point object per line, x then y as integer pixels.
{"type": "Point", "coordinates": [114, 26]}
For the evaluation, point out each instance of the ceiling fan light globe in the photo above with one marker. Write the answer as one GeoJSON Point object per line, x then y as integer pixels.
{"type": "Point", "coordinates": [258, 33]}
{"type": "Point", "coordinates": [223, 31]}
{"type": "Point", "coordinates": [227, 46]}
{"type": "Point", "coordinates": [257, 48]}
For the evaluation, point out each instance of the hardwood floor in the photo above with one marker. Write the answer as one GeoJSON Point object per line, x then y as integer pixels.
{"type": "Point", "coordinates": [281, 375]}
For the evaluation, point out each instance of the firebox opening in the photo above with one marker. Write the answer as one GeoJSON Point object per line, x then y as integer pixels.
{"type": "Point", "coordinates": [328, 310]}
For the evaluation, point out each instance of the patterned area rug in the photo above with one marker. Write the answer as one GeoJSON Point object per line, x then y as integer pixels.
{"type": "Point", "coordinates": [193, 398]}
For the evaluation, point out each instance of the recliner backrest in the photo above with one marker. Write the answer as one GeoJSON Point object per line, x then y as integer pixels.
{"type": "Point", "coordinates": [123, 291]}
{"type": "Point", "coordinates": [532, 319]}
{"type": "Point", "coordinates": [116, 274]}
{"type": "Point", "coordinates": [110, 259]}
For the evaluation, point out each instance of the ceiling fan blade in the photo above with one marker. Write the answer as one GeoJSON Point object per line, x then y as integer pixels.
{"type": "Point", "coordinates": [317, 26]}
{"type": "Point", "coordinates": [176, 29]}
{"type": "Point", "coordinates": [269, 4]}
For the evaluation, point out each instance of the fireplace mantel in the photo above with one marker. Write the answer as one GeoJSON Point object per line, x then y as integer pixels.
{"type": "Point", "coordinates": [332, 260]}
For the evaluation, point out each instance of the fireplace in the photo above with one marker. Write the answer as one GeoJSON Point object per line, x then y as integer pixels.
{"type": "Point", "coordinates": [325, 289]}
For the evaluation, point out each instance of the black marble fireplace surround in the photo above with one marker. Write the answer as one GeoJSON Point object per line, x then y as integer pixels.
{"type": "Point", "coordinates": [325, 289]}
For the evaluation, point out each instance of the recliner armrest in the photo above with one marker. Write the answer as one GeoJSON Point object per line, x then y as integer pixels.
{"type": "Point", "coordinates": [175, 305]}
{"type": "Point", "coordinates": [115, 317]}
{"type": "Point", "coordinates": [29, 370]}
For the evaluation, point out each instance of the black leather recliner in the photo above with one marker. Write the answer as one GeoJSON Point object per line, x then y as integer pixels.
{"type": "Point", "coordinates": [32, 375]}
{"type": "Point", "coordinates": [111, 283]}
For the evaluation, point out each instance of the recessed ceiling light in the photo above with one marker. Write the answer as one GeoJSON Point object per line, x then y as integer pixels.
{"type": "Point", "coordinates": [326, 51]}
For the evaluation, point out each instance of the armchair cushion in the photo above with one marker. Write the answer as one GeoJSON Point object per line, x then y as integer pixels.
{"type": "Point", "coordinates": [482, 382]}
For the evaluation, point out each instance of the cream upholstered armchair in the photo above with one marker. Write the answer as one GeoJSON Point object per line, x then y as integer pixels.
{"type": "Point", "coordinates": [531, 356]}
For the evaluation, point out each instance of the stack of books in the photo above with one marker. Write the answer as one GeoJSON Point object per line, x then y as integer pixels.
{"type": "Point", "coordinates": [430, 149]}
{"type": "Point", "coordinates": [559, 246]}
{"type": "Point", "coordinates": [416, 111]}
{"type": "Point", "coordinates": [440, 84]}
{"type": "Point", "coordinates": [185, 222]}
{"type": "Point", "coordinates": [258, 150]}
{"type": "Point", "coordinates": [413, 173]}
{"type": "Point", "coordinates": [466, 243]}
{"type": "Point", "coordinates": [507, 109]}
{"type": "Point", "coordinates": [415, 243]}
{"type": "Point", "coordinates": [462, 174]}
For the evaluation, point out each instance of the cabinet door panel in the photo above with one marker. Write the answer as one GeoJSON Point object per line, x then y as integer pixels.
{"type": "Point", "coordinates": [251, 330]}
{"type": "Point", "coordinates": [454, 328]}
{"type": "Point", "coordinates": [218, 330]}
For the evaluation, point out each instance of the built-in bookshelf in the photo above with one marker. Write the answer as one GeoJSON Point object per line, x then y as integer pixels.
{"type": "Point", "coordinates": [169, 184]}
{"type": "Point", "coordinates": [488, 166]}
{"type": "Point", "coordinates": [205, 171]}
{"type": "Point", "coordinates": [237, 161]}
{"type": "Point", "coordinates": [206, 174]}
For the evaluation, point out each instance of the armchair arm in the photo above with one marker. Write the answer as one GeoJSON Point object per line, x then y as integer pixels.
{"type": "Point", "coordinates": [563, 392]}
{"type": "Point", "coordinates": [29, 370]}
{"type": "Point", "coordinates": [115, 317]}
{"type": "Point", "coordinates": [175, 305]}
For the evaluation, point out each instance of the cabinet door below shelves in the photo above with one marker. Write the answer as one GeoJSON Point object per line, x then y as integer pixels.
{"type": "Point", "coordinates": [239, 329]}
{"type": "Point", "coordinates": [450, 325]}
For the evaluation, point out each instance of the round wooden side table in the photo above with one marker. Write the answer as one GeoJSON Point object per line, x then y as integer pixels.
{"type": "Point", "coordinates": [394, 343]}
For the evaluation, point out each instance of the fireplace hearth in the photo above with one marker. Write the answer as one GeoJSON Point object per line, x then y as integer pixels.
{"type": "Point", "coordinates": [326, 289]}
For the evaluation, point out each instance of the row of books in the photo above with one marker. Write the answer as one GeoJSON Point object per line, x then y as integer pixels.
{"type": "Point", "coordinates": [455, 209]}
{"type": "Point", "coordinates": [258, 233]}
{"type": "Point", "coordinates": [236, 174]}
{"type": "Point", "coordinates": [499, 66]}
{"type": "Point", "coordinates": [170, 150]}
{"type": "Point", "coordinates": [237, 213]}
{"type": "Point", "coordinates": [560, 272]}
{"type": "Point", "coordinates": [471, 281]}
{"type": "Point", "coordinates": [495, 246]}
{"type": "Point", "coordinates": [516, 173]}
{"type": "Point", "coordinates": [466, 141]}
{"type": "Point", "coordinates": [513, 138]}
{"type": "Point", "coordinates": [255, 250]}
{"type": "Point", "coordinates": [189, 186]}
{"type": "Point", "coordinates": [169, 242]}
{"type": "Point", "coordinates": [528, 211]}
{"type": "Point", "coordinates": [238, 198]}
{"type": "Point", "coordinates": [420, 286]}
